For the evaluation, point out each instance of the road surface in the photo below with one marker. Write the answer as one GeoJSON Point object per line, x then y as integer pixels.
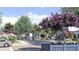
{"type": "Point", "coordinates": [26, 46]}
{"type": "Point", "coordinates": [6, 49]}
{"type": "Point", "coordinates": [23, 46]}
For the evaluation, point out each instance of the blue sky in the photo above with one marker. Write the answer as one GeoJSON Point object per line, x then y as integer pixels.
{"type": "Point", "coordinates": [36, 14]}
{"type": "Point", "coordinates": [18, 11]}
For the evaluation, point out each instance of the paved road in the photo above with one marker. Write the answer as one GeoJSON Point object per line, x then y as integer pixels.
{"type": "Point", "coordinates": [26, 48]}
{"type": "Point", "coordinates": [37, 42]}
{"type": "Point", "coordinates": [6, 49]}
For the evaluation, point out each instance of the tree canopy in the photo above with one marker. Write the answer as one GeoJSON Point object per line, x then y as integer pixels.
{"type": "Point", "coordinates": [23, 24]}
{"type": "Point", "coordinates": [9, 28]}
{"type": "Point", "coordinates": [73, 9]}
{"type": "Point", "coordinates": [58, 21]}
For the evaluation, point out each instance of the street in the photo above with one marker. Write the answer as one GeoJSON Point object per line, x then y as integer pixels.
{"type": "Point", "coordinates": [23, 45]}
{"type": "Point", "coordinates": [26, 48]}
{"type": "Point", "coordinates": [6, 49]}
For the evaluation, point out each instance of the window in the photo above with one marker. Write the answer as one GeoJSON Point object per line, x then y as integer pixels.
{"type": "Point", "coordinates": [2, 40]}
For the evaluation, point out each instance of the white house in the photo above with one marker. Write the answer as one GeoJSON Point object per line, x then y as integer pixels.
{"type": "Point", "coordinates": [75, 31]}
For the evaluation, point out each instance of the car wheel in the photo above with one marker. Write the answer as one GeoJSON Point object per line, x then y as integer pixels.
{"type": "Point", "coordinates": [6, 45]}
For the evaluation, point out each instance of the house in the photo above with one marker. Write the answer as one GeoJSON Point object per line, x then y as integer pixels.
{"type": "Point", "coordinates": [73, 30]}
{"type": "Point", "coordinates": [67, 33]}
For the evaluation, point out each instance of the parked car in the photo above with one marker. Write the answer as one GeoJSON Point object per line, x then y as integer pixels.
{"type": "Point", "coordinates": [5, 43]}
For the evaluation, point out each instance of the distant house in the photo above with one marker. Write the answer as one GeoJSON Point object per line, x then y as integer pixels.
{"type": "Point", "coordinates": [67, 33]}
{"type": "Point", "coordinates": [73, 30]}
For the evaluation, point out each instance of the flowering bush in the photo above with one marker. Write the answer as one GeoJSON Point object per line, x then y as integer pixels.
{"type": "Point", "coordinates": [4, 36]}
{"type": "Point", "coordinates": [10, 37]}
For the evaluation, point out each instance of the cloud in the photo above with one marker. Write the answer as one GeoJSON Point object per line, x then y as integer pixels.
{"type": "Point", "coordinates": [34, 18]}
{"type": "Point", "coordinates": [11, 20]}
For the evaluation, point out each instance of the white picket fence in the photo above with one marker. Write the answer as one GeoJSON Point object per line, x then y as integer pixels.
{"type": "Point", "coordinates": [59, 47]}
{"type": "Point", "coordinates": [65, 47]}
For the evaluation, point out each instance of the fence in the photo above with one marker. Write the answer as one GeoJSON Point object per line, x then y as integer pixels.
{"type": "Point", "coordinates": [64, 47]}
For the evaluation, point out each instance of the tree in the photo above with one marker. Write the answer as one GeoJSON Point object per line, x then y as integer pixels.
{"type": "Point", "coordinates": [9, 28]}
{"type": "Point", "coordinates": [23, 25]}
{"type": "Point", "coordinates": [58, 21]}
{"type": "Point", "coordinates": [0, 18]}
{"type": "Point", "coordinates": [34, 27]}
{"type": "Point", "coordinates": [1, 27]}
{"type": "Point", "coordinates": [73, 9]}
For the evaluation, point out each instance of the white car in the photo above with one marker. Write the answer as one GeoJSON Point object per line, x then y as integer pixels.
{"type": "Point", "coordinates": [5, 43]}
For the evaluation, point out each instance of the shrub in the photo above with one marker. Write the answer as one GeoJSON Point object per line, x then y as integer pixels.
{"type": "Point", "coordinates": [42, 35]}
{"type": "Point", "coordinates": [10, 37]}
{"type": "Point", "coordinates": [3, 36]}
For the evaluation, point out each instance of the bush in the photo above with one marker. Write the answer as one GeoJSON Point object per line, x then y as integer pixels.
{"type": "Point", "coordinates": [42, 35]}
{"type": "Point", "coordinates": [3, 36]}
{"type": "Point", "coordinates": [10, 37]}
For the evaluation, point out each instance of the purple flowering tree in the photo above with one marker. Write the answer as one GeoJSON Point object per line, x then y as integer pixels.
{"type": "Point", "coordinates": [58, 21]}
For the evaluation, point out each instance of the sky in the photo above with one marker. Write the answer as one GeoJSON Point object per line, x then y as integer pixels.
{"type": "Point", "coordinates": [36, 14]}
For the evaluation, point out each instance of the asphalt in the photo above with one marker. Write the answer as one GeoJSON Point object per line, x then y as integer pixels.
{"type": "Point", "coordinates": [6, 49]}
{"type": "Point", "coordinates": [24, 45]}
{"type": "Point", "coordinates": [26, 48]}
